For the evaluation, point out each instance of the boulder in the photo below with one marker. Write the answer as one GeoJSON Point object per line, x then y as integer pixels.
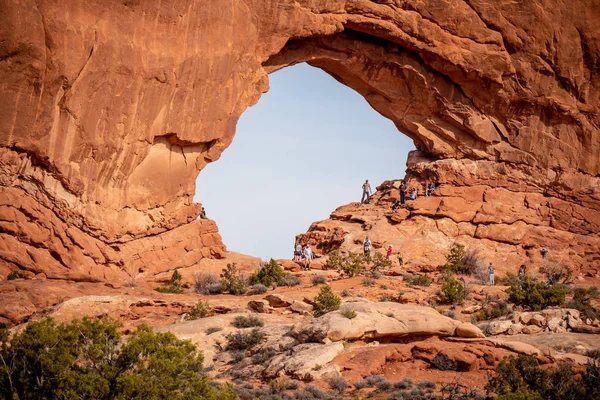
{"type": "Point", "coordinates": [301, 307]}
{"type": "Point", "coordinates": [515, 329]}
{"type": "Point", "coordinates": [278, 300]}
{"type": "Point", "coordinates": [498, 327]}
{"type": "Point", "coordinates": [531, 329]}
{"type": "Point", "coordinates": [471, 309]}
{"type": "Point", "coordinates": [468, 330]}
{"type": "Point", "coordinates": [538, 320]}
{"type": "Point", "coordinates": [374, 321]}
{"type": "Point", "coordinates": [260, 306]}
{"type": "Point", "coordinates": [304, 359]}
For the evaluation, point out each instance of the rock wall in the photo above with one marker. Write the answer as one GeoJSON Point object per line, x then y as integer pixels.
{"type": "Point", "coordinates": [111, 108]}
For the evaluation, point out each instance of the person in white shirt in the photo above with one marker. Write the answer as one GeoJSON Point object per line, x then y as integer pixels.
{"type": "Point", "coordinates": [298, 252]}
{"type": "Point", "coordinates": [307, 256]}
{"type": "Point", "coordinates": [366, 246]}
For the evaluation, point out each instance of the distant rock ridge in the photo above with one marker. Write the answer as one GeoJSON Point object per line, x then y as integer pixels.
{"type": "Point", "coordinates": [111, 108]}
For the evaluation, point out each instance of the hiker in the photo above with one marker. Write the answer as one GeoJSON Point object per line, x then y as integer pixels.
{"type": "Point", "coordinates": [522, 271]}
{"type": "Point", "coordinates": [366, 246]}
{"type": "Point", "coordinates": [544, 252]}
{"type": "Point", "coordinates": [298, 253]}
{"type": "Point", "coordinates": [413, 194]}
{"type": "Point", "coordinates": [402, 192]}
{"type": "Point", "coordinates": [389, 252]}
{"type": "Point", "coordinates": [366, 192]}
{"type": "Point", "coordinates": [430, 188]}
{"type": "Point", "coordinates": [396, 205]}
{"type": "Point", "coordinates": [307, 257]}
{"type": "Point", "coordinates": [491, 272]}
{"type": "Point", "coordinates": [400, 258]}
{"type": "Point", "coordinates": [203, 214]}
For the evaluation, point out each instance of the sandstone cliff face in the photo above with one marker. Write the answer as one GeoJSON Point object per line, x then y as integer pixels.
{"type": "Point", "coordinates": [111, 108]}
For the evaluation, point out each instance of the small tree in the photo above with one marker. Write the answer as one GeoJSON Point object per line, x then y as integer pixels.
{"type": "Point", "coordinates": [379, 261]}
{"type": "Point", "coordinates": [234, 281]}
{"type": "Point", "coordinates": [174, 285]}
{"type": "Point", "coordinates": [453, 291]}
{"type": "Point", "coordinates": [326, 301]}
{"type": "Point", "coordinates": [454, 260]}
{"type": "Point", "coordinates": [269, 273]}
{"type": "Point", "coordinates": [536, 296]}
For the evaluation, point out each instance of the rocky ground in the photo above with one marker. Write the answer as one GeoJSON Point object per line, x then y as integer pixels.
{"type": "Point", "coordinates": [398, 330]}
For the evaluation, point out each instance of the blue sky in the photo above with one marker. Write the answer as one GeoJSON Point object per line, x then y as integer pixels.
{"type": "Point", "coordinates": [302, 151]}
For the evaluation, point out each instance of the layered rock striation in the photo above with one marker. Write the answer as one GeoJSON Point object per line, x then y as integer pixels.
{"type": "Point", "coordinates": [111, 108]}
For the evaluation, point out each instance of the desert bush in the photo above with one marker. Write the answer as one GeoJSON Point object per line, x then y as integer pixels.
{"type": "Point", "coordinates": [522, 378]}
{"type": "Point", "coordinates": [536, 296]}
{"type": "Point", "coordinates": [318, 279]}
{"type": "Point", "coordinates": [174, 285]}
{"type": "Point", "coordinates": [267, 274]}
{"type": "Point", "coordinates": [200, 310]}
{"type": "Point", "coordinates": [213, 329]}
{"type": "Point", "coordinates": [450, 314]}
{"type": "Point", "coordinates": [472, 263]}
{"type": "Point", "coordinates": [250, 321]}
{"type": "Point", "coordinates": [207, 283]}
{"type": "Point", "coordinates": [582, 301]}
{"type": "Point", "coordinates": [443, 363]}
{"type": "Point", "coordinates": [88, 360]}
{"type": "Point", "coordinates": [238, 356]}
{"type": "Point", "coordinates": [417, 280]}
{"type": "Point", "coordinates": [557, 273]}
{"type": "Point", "coordinates": [14, 274]}
{"type": "Point", "coordinates": [361, 384]}
{"type": "Point", "coordinates": [379, 261]}
{"type": "Point", "coordinates": [338, 384]}
{"type": "Point", "coordinates": [453, 291]}
{"type": "Point", "coordinates": [345, 293]}
{"type": "Point", "coordinates": [385, 297]}
{"type": "Point", "coordinates": [244, 340]}
{"type": "Point", "coordinates": [258, 289]}
{"type": "Point", "coordinates": [311, 392]}
{"type": "Point", "coordinates": [350, 263]}
{"type": "Point", "coordinates": [427, 385]}
{"type": "Point", "coordinates": [264, 355]}
{"type": "Point", "coordinates": [490, 310]}
{"type": "Point", "coordinates": [350, 314]}
{"type": "Point", "coordinates": [374, 380]}
{"type": "Point", "coordinates": [454, 259]}
{"type": "Point", "coordinates": [234, 282]}
{"type": "Point", "coordinates": [290, 280]}
{"type": "Point", "coordinates": [326, 301]}
{"type": "Point", "coordinates": [368, 281]}
{"type": "Point", "coordinates": [405, 384]}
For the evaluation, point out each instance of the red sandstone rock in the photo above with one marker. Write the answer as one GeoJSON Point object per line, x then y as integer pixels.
{"type": "Point", "coordinates": [105, 120]}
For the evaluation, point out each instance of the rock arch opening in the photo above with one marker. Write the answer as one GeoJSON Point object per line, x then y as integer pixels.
{"type": "Point", "coordinates": [303, 150]}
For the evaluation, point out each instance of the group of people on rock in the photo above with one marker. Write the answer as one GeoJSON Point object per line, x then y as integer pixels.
{"type": "Point", "coordinates": [388, 254]}
{"type": "Point", "coordinates": [304, 255]}
{"type": "Point", "coordinates": [412, 193]}
{"type": "Point", "coordinates": [522, 271]}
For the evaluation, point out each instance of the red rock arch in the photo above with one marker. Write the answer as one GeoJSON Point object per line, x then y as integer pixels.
{"type": "Point", "coordinates": [111, 108]}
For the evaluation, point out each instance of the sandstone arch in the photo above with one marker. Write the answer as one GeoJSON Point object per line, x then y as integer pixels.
{"type": "Point", "coordinates": [110, 109]}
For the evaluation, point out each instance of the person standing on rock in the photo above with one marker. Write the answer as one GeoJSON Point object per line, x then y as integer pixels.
{"type": "Point", "coordinates": [544, 252]}
{"type": "Point", "coordinates": [402, 193]}
{"type": "Point", "coordinates": [307, 256]}
{"type": "Point", "coordinates": [491, 272]}
{"type": "Point", "coordinates": [366, 192]}
{"type": "Point", "coordinates": [366, 246]}
{"type": "Point", "coordinates": [522, 270]}
{"type": "Point", "coordinates": [400, 258]}
{"type": "Point", "coordinates": [298, 252]}
{"type": "Point", "coordinates": [389, 252]}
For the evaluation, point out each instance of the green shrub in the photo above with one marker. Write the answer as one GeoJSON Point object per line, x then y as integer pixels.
{"type": "Point", "coordinates": [174, 285]}
{"type": "Point", "coordinates": [417, 280]}
{"type": "Point", "coordinates": [522, 378]}
{"type": "Point", "coordinates": [536, 296]}
{"type": "Point", "coordinates": [14, 274]}
{"type": "Point", "coordinates": [200, 310]}
{"type": "Point", "coordinates": [290, 280]}
{"type": "Point", "coordinates": [490, 310]}
{"type": "Point", "coordinates": [453, 291]}
{"type": "Point", "coordinates": [268, 274]}
{"type": "Point", "coordinates": [244, 340]}
{"type": "Point", "coordinates": [454, 260]}
{"type": "Point", "coordinates": [368, 281]}
{"type": "Point", "coordinates": [582, 301]}
{"type": "Point", "coordinates": [350, 263]}
{"type": "Point", "coordinates": [234, 282]}
{"type": "Point", "coordinates": [242, 321]}
{"type": "Point", "coordinates": [379, 261]}
{"type": "Point", "coordinates": [258, 289]}
{"type": "Point", "coordinates": [87, 359]}
{"type": "Point", "coordinates": [326, 301]}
